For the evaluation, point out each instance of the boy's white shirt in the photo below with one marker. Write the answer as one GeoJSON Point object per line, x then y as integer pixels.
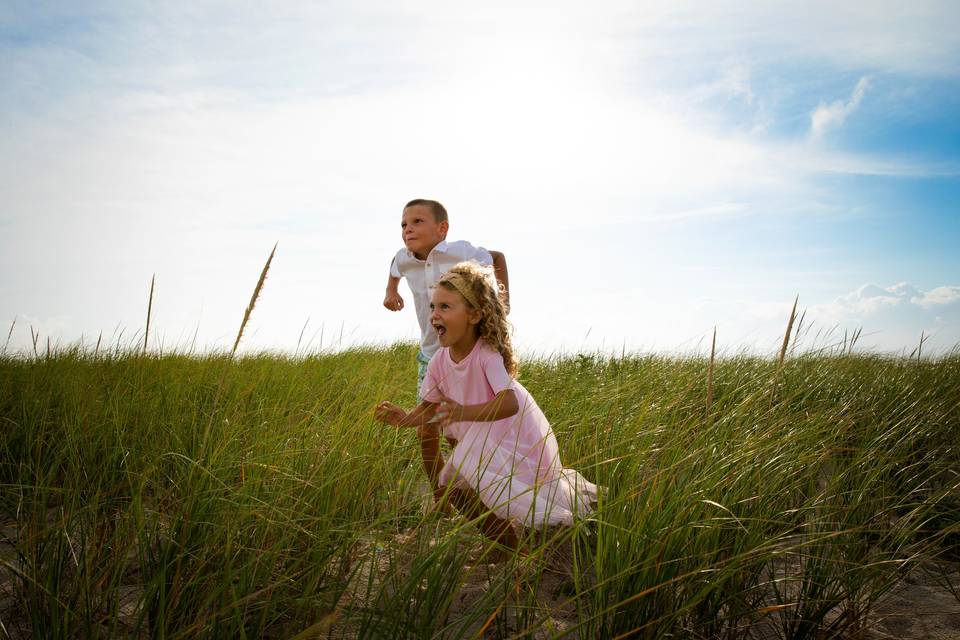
{"type": "Point", "coordinates": [422, 277]}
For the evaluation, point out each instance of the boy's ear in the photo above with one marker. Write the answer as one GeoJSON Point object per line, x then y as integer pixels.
{"type": "Point", "coordinates": [444, 227]}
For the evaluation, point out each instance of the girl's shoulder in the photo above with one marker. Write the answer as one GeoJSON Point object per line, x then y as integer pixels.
{"type": "Point", "coordinates": [494, 368]}
{"type": "Point", "coordinates": [488, 353]}
{"type": "Point", "coordinates": [439, 357]}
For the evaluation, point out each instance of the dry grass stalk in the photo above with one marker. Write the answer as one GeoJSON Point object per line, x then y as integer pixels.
{"type": "Point", "coordinates": [783, 350]}
{"type": "Point", "coordinates": [853, 340]}
{"type": "Point", "coordinates": [713, 352]}
{"type": "Point", "coordinates": [146, 333]}
{"type": "Point", "coordinates": [236, 343]}
{"type": "Point", "coordinates": [10, 333]}
{"type": "Point", "coordinates": [116, 347]}
{"type": "Point", "coordinates": [300, 339]}
{"type": "Point", "coordinates": [34, 337]}
{"type": "Point", "coordinates": [253, 300]}
{"type": "Point", "coordinates": [786, 334]}
{"type": "Point", "coordinates": [193, 341]}
{"type": "Point", "coordinates": [796, 333]}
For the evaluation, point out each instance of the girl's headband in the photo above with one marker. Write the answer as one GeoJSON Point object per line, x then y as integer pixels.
{"type": "Point", "coordinates": [462, 286]}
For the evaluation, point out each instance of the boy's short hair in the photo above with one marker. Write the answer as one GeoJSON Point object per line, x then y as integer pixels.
{"type": "Point", "coordinates": [439, 213]}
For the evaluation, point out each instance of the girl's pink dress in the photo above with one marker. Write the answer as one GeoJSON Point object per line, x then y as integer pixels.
{"type": "Point", "coordinates": [514, 463]}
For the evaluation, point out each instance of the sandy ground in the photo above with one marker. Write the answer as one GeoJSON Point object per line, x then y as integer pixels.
{"type": "Point", "coordinates": [925, 605]}
{"type": "Point", "coordinates": [921, 606]}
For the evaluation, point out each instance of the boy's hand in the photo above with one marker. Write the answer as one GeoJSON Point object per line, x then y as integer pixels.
{"type": "Point", "coordinates": [389, 413]}
{"type": "Point", "coordinates": [449, 411]}
{"type": "Point", "coordinates": [393, 301]}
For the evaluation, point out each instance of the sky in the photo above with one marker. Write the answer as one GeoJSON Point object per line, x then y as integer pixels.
{"type": "Point", "coordinates": [651, 170]}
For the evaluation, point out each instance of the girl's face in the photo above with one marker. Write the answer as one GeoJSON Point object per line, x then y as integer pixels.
{"type": "Point", "coordinates": [453, 319]}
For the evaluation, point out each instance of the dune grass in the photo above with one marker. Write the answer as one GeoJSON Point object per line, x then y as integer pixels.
{"type": "Point", "coordinates": [213, 496]}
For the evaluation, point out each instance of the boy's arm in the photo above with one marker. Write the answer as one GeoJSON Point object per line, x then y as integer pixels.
{"type": "Point", "coordinates": [500, 271]}
{"type": "Point", "coordinates": [392, 299]}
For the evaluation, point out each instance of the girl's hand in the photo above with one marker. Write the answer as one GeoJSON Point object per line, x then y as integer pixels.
{"type": "Point", "coordinates": [389, 413]}
{"type": "Point", "coordinates": [449, 411]}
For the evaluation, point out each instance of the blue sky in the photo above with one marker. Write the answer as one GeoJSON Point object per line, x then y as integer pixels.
{"type": "Point", "coordinates": [651, 170]}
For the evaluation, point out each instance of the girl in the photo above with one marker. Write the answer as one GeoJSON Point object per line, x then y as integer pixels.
{"type": "Point", "coordinates": [505, 465]}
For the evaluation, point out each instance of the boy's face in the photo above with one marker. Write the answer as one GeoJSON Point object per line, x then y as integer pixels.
{"type": "Point", "coordinates": [421, 232]}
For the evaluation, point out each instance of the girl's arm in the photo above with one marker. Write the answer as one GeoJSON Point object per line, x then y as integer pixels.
{"type": "Point", "coordinates": [503, 405]}
{"type": "Point", "coordinates": [389, 413]}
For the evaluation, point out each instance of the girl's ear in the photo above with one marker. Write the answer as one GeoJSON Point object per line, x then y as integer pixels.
{"type": "Point", "coordinates": [475, 316]}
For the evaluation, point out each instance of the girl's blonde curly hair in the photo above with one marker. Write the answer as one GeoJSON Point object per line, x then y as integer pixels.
{"type": "Point", "coordinates": [488, 300]}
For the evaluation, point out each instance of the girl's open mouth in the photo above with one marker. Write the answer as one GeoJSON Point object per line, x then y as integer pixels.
{"type": "Point", "coordinates": [440, 329]}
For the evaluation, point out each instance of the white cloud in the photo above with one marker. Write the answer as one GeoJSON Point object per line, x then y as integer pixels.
{"type": "Point", "coordinates": [939, 297]}
{"type": "Point", "coordinates": [825, 116]}
{"type": "Point", "coordinates": [893, 317]}
{"type": "Point", "coordinates": [870, 298]}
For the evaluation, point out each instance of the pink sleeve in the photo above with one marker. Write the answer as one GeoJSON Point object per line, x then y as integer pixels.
{"type": "Point", "coordinates": [496, 372]}
{"type": "Point", "coordinates": [430, 388]}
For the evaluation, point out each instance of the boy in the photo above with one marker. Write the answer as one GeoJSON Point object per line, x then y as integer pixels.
{"type": "Point", "coordinates": [426, 256]}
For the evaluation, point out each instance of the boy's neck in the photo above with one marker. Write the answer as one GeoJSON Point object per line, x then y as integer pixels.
{"type": "Point", "coordinates": [429, 249]}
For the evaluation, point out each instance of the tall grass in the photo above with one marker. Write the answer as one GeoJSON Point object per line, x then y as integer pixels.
{"type": "Point", "coordinates": [179, 496]}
